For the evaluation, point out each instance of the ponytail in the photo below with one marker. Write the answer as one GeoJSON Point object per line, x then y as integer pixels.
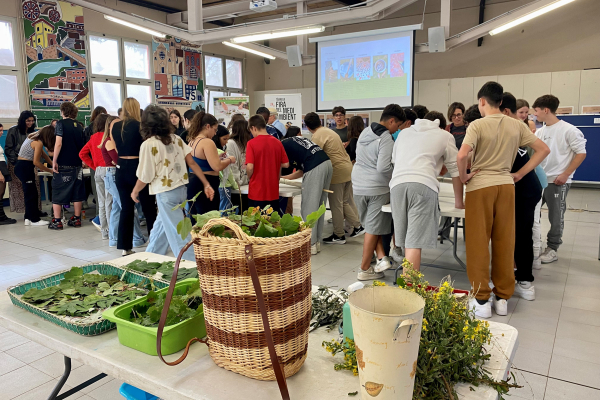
{"type": "Point", "coordinates": [200, 120]}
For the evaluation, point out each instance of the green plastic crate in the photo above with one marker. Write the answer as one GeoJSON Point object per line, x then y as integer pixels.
{"type": "Point", "coordinates": [143, 338]}
{"type": "Point", "coordinates": [92, 329]}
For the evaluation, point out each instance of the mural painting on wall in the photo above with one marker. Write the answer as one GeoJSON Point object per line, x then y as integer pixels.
{"type": "Point", "coordinates": [177, 74]}
{"type": "Point", "coordinates": [55, 49]}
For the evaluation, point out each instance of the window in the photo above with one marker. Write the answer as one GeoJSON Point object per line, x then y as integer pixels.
{"type": "Point", "coordinates": [214, 71]}
{"type": "Point", "coordinates": [11, 78]}
{"type": "Point", "coordinates": [234, 74]}
{"type": "Point", "coordinates": [224, 76]}
{"type": "Point", "coordinates": [177, 85]}
{"type": "Point", "coordinates": [120, 68]}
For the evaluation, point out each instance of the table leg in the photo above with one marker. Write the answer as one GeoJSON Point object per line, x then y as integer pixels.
{"type": "Point", "coordinates": [54, 395]}
{"type": "Point", "coordinates": [63, 379]}
{"type": "Point", "coordinates": [455, 245]}
{"type": "Point", "coordinates": [46, 195]}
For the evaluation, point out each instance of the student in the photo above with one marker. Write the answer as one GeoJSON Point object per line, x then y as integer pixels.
{"type": "Point", "coordinates": [177, 121]}
{"type": "Point", "coordinates": [341, 127]}
{"type": "Point", "coordinates": [316, 169]}
{"type": "Point", "coordinates": [90, 186]}
{"type": "Point", "coordinates": [356, 125]}
{"type": "Point", "coordinates": [236, 147]}
{"type": "Point", "coordinates": [67, 182]}
{"type": "Point", "coordinates": [341, 201]}
{"type": "Point", "coordinates": [490, 198]}
{"type": "Point", "coordinates": [371, 182]}
{"type": "Point", "coordinates": [420, 110]}
{"type": "Point", "coordinates": [89, 130]}
{"type": "Point", "coordinates": [271, 130]}
{"type": "Point", "coordinates": [4, 178]}
{"type": "Point", "coordinates": [567, 145]}
{"type": "Point", "coordinates": [221, 140]}
{"type": "Point", "coordinates": [29, 158]}
{"type": "Point", "coordinates": [187, 121]}
{"type": "Point", "coordinates": [275, 122]}
{"type": "Point", "coordinates": [127, 139]}
{"type": "Point", "coordinates": [458, 126]}
{"type": "Point", "coordinates": [234, 119]}
{"type": "Point", "coordinates": [472, 114]}
{"type": "Point", "coordinates": [91, 155]}
{"type": "Point", "coordinates": [528, 192]}
{"type": "Point", "coordinates": [265, 156]}
{"type": "Point", "coordinates": [523, 114]}
{"type": "Point", "coordinates": [411, 117]}
{"type": "Point", "coordinates": [204, 152]}
{"type": "Point", "coordinates": [419, 155]}
{"type": "Point", "coordinates": [164, 156]}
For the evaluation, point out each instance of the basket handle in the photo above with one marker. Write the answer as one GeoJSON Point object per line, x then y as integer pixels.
{"type": "Point", "coordinates": [223, 221]}
{"type": "Point", "coordinates": [165, 312]}
{"type": "Point", "coordinates": [275, 361]}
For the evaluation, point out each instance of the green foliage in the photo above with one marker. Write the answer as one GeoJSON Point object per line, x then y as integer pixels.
{"type": "Point", "coordinates": [312, 218]}
{"type": "Point", "coordinates": [166, 269]}
{"type": "Point", "coordinates": [182, 307]}
{"type": "Point", "coordinates": [327, 307]}
{"type": "Point", "coordinates": [80, 295]}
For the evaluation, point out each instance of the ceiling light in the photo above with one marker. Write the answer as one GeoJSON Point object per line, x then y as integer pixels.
{"type": "Point", "coordinates": [525, 18]}
{"type": "Point", "coordinates": [277, 34]}
{"type": "Point", "coordinates": [258, 53]}
{"type": "Point", "coordinates": [134, 26]}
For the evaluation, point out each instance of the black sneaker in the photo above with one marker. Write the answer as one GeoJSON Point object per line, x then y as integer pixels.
{"type": "Point", "coordinates": [357, 232]}
{"type": "Point", "coordinates": [56, 224]}
{"type": "Point", "coordinates": [334, 239]}
{"type": "Point", "coordinates": [74, 221]}
{"type": "Point", "coordinates": [43, 214]}
{"type": "Point", "coordinates": [7, 221]}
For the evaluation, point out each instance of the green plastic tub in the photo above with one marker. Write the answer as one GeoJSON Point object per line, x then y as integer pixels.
{"type": "Point", "coordinates": [143, 338]}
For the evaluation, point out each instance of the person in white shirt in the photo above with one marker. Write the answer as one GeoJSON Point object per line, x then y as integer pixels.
{"type": "Point", "coordinates": [162, 166]}
{"type": "Point", "coordinates": [275, 122]}
{"type": "Point", "coordinates": [567, 152]}
{"type": "Point", "coordinates": [419, 154]}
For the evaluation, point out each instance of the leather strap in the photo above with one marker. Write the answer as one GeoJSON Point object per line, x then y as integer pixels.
{"type": "Point", "coordinates": [276, 361]}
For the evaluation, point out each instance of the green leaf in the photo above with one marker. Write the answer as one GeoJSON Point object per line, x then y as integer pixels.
{"type": "Point", "coordinates": [289, 225]}
{"type": "Point", "coordinates": [217, 230]}
{"type": "Point", "coordinates": [73, 273]}
{"type": "Point", "coordinates": [248, 220]}
{"type": "Point", "coordinates": [194, 290]}
{"type": "Point", "coordinates": [401, 282]}
{"type": "Point", "coordinates": [353, 393]}
{"type": "Point", "coordinates": [202, 219]}
{"type": "Point", "coordinates": [102, 286]}
{"type": "Point", "coordinates": [180, 206]}
{"type": "Point", "coordinates": [184, 227]}
{"type": "Point", "coordinates": [275, 217]}
{"type": "Point", "coordinates": [266, 230]}
{"type": "Point", "coordinates": [312, 218]}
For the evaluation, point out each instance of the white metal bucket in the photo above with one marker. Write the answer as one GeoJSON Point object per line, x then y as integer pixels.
{"type": "Point", "coordinates": [387, 329]}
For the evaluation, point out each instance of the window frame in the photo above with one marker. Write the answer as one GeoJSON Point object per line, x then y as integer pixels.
{"type": "Point", "coordinates": [224, 88]}
{"type": "Point", "coordinates": [17, 69]}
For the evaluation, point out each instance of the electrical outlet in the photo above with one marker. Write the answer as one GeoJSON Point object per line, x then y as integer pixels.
{"type": "Point", "coordinates": [597, 120]}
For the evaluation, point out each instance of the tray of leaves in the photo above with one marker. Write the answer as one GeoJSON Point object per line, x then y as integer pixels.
{"type": "Point", "coordinates": [74, 299]}
{"type": "Point", "coordinates": [137, 321]}
{"type": "Point", "coordinates": [160, 270]}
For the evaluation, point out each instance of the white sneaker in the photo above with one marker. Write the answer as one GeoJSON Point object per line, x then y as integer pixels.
{"type": "Point", "coordinates": [313, 249]}
{"type": "Point", "coordinates": [548, 256]}
{"type": "Point", "coordinates": [397, 255]}
{"type": "Point", "coordinates": [318, 247]}
{"type": "Point", "coordinates": [330, 221]}
{"type": "Point", "coordinates": [525, 290]}
{"type": "Point", "coordinates": [481, 310]}
{"type": "Point", "coordinates": [501, 306]}
{"type": "Point", "coordinates": [537, 263]}
{"type": "Point", "coordinates": [39, 223]}
{"type": "Point", "coordinates": [98, 226]}
{"type": "Point", "coordinates": [383, 264]}
{"type": "Point", "coordinates": [374, 259]}
{"type": "Point", "coordinates": [369, 274]}
{"type": "Point", "coordinates": [128, 252]}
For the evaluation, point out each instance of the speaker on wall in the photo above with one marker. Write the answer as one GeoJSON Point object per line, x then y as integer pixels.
{"type": "Point", "coordinates": [294, 56]}
{"type": "Point", "coordinates": [437, 39]}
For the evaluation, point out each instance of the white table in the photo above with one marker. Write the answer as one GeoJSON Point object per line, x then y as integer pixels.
{"type": "Point", "coordinates": [284, 190]}
{"type": "Point", "coordinates": [198, 377]}
{"type": "Point", "coordinates": [45, 175]}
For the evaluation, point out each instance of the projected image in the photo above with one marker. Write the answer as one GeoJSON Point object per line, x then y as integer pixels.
{"type": "Point", "coordinates": [331, 71]}
{"type": "Point", "coordinates": [363, 68]}
{"type": "Point", "coordinates": [397, 65]}
{"type": "Point", "coordinates": [380, 66]}
{"type": "Point", "coordinates": [346, 69]}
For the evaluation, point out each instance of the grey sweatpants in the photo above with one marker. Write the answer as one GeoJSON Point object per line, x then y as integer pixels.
{"type": "Point", "coordinates": [556, 198]}
{"type": "Point", "coordinates": [313, 183]}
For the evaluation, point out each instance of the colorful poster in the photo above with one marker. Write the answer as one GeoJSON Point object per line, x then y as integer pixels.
{"type": "Point", "coordinates": [226, 107]}
{"type": "Point", "coordinates": [397, 65]}
{"type": "Point", "coordinates": [55, 50]}
{"type": "Point", "coordinates": [289, 108]}
{"type": "Point", "coordinates": [363, 68]}
{"type": "Point", "coordinates": [177, 74]}
{"type": "Point", "coordinates": [380, 66]}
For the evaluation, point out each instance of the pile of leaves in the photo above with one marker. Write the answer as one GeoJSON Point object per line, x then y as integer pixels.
{"type": "Point", "coordinates": [80, 295]}
{"type": "Point", "coordinates": [327, 307]}
{"type": "Point", "coordinates": [182, 307]}
{"type": "Point", "coordinates": [166, 269]}
{"type": "Point", "coordinates": [254, 222]}
{"type": "Point", "coordinates": [452, 347]}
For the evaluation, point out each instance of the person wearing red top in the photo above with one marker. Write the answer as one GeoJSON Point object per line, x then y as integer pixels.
{"type": "Point", "coordinates": [265, 156]}
{"type": "Point", "coordinates": [91, 155]}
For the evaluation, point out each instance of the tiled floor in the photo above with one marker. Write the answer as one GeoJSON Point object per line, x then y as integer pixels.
{"type": "Point", "coordinates": [559, 333]}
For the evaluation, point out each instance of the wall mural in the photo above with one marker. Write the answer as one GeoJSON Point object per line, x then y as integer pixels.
{"type": "Point", "coordinates": [178, 78]}
{"type": "Point", "coordinates": [55, 49]}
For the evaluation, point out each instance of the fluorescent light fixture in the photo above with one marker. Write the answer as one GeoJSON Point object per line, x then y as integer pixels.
{"type": "Point", "coordinates": [277, 34]}
{"type": "Point", "coordinates": [258, 53]}
{"type": "Point", "coordinates": [525, 18]}
{"type": "Point", "coordinates": [134, 26]}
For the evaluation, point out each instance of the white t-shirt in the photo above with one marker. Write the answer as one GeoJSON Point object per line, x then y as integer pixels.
{"type": "Point", "coordinates": [420, 152]}
{"type": "Point", "coordinates": [564, 141]}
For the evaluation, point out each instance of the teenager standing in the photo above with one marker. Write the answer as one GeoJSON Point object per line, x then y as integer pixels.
{"type": "Point", "coordinates": [341, 127]}
{"type": "Point", "coordinates": [356, 126]}
{"type": "Point", "coordinates": [164, 158]}
{"type": "Point", "coordinates": [177, 122]}
{"type": "Point", "coordinates": [567, 146]}
{"type": "Point", "coordinates": [458, 126]}
{"type": "Point", "coordinates": [128, 140]}
{"type": "Point", "coordinates": [4, 179]}
{"type": "Point", "coordinates": [67, 182]}
{"type": "Point", "coordinates": [236, 147]}
{"type": "Point", "coordinates": [490, 198]}
{"type": "Point", "coordinates": [523, 114]}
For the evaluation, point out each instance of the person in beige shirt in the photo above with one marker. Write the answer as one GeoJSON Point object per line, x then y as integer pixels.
{"type": "Point", "coordinates": [490, 198]}
{"type": "Point", "coordinates": [341, 201]}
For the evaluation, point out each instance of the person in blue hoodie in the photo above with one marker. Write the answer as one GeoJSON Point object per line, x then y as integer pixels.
{"type": "Point", "coordinates": [370, 179]}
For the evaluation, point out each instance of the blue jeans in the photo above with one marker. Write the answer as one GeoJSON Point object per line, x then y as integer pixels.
{"type": "Point", "coordinates": [164, 232]}
{"type": "Point", "coordinates": [225, 201]}
{"type": "Point", "coordinates": [115, 213]}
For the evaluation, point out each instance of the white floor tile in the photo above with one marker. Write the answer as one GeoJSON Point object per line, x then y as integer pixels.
{"type": "Point", "coordinates": [21, 380]}
{"type": "Point", "coordinates": [82, 374]}
{"type": "Point", "coordinates": [9, 363]}
{"type": "Point", "coordinates": [559, 390]}
{"type": "Point", "coordinates": [575, 371]}
{"type": "Point", "coordinates": [9, 340]}
{"type": "Point", "coordinates": [108, 391]}
{"type": "Point", "coordinates": [29, 352]}
{"type": "Point", "coordinates": [54, 365]}
{"type": "Point", "coordinates": [534, 386]}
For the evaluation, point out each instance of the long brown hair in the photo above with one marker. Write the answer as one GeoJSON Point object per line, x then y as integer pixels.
{"type": "Point", "coordinates": [178, 116]}
{"type": "Point", "coordinates": [355, 127]}
{"type": "Point", "coordinates": [234, 118]}
{"type": "Point", "coordinates": [155, 122]}
{"type": "Point", "coordinates": [100, 122]}
{"type": "Point", "coordinates": [240, 134]}
{"type": "Point", "coordinates": [199, 121]}
{"type": "Point", "coordinates": [46, 135]}
{"type": "Point", "coordinates": [97, 112]}
{"type": "Point", "coordinates": [109, 120]}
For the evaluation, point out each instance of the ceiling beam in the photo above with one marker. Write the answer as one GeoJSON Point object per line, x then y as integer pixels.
{"type": "Point", "coordinates": [446, 9]}
{"type": "Point", "coordinates": [481, 19]}
{"type": "Point", "coordinates": [195, 21]}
